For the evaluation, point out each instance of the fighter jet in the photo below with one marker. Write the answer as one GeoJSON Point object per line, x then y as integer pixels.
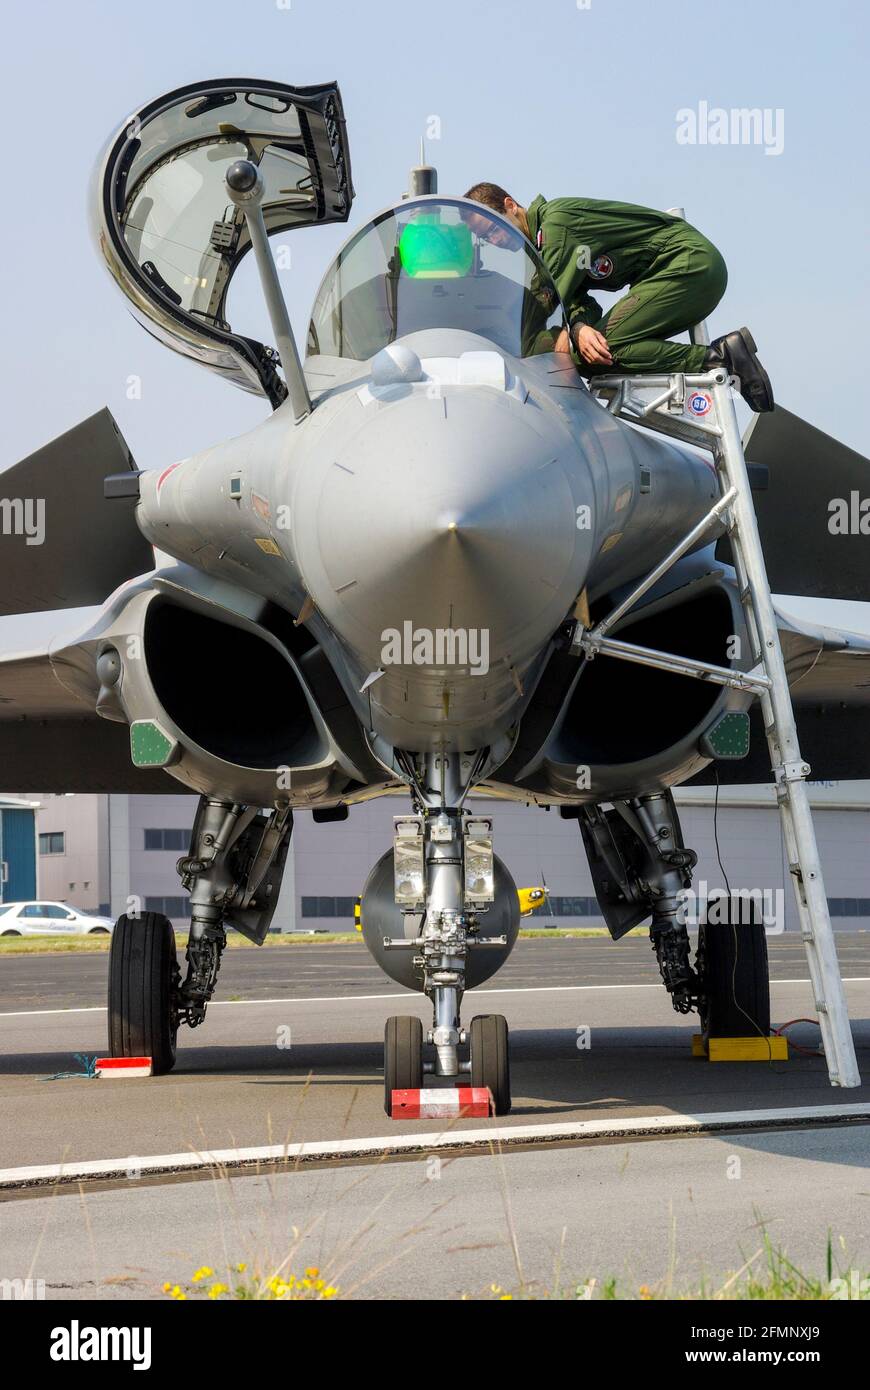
{"type": "Point", "coordinates": [399, 582]}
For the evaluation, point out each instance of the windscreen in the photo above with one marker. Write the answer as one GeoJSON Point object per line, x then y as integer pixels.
{"type": "Point", "coordinates": [421, 266]}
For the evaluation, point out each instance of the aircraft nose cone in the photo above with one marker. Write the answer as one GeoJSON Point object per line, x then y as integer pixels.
{"type": "Point", "coordinates": [453, 512]}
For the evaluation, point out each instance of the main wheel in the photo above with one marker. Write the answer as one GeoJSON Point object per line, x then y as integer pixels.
{"type": "Point", "coordinates": [143, 986]}
{"type": "Point", "coordinates": [735, 984]}
{"type": "Point", "coordinates": [403, 1057]}
{"type": "Point", "coordinates": [490, 1059]}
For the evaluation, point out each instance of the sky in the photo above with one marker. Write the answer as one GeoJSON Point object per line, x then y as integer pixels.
{"type": "Point", "coordinates": [564, 97]}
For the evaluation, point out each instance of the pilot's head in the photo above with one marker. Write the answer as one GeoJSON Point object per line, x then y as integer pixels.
{"type": "Point", "coordinates": [492, 195]}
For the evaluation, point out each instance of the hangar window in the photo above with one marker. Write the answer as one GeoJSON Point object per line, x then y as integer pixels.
{"type": "Point", "coordinates": [327, 907]}
{"type": "Point", "coordinates": [52, 843]}
{"type": "Point", "coordinates": [849, 907]}
{"type": "Point", "coordinates": [574, 907]}
{"type": "Point", "coordinates": [169, 907]}
{"type": "Point", "coordinates": [167, 839]}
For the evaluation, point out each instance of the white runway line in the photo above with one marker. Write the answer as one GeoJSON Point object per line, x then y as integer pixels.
{"type": "Point", "coordinates": [405, 994]}
{"type": "Point", "coordinates": [398, 1143]}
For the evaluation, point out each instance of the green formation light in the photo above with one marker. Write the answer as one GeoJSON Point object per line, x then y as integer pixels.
{"type": "Point", "coordinates": [149, 745]}
{"type": "Point", "coordinates": [728, 738]}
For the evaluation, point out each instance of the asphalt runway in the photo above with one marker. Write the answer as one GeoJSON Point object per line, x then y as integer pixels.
{"type": "Point", "coordinates": [292, 1054]}
{"type": "Point", "coordinates": [674, 1215]}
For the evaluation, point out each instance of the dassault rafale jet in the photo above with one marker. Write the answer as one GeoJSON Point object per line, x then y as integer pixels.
{"type": "Point", "coordinates": [400, 582]}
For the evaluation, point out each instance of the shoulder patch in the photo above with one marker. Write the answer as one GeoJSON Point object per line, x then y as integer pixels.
{"type": "Point", "coordinates": [601, 267]}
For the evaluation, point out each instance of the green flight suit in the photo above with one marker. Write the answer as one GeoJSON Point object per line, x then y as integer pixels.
{"type": "Point", "coordinates": [676, 275]}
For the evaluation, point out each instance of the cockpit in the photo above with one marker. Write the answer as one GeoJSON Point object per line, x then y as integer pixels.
{"type": "Point", "coordinates": [421, 266]}
{"type": "Point", "coordinates": [172, 237]}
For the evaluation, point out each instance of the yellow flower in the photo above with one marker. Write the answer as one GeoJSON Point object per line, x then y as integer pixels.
{"type": "Point", "coordinates": [506, 1298]}
{"type": "Point", "coordinates": [217, 1289]}
{"type": "Point", "coordinates": [330, 1291]}
{"type": "Point", "coordinates": [204, 1273]}
{"type": "Point", "coordinates": [178, 1293]}
{"type": "Point", "coordinates": [240, 1269]}
{"type": "Point", "coordinates": [167, 1288]}
{"type": "Point", "coordinates": [312, 1271]}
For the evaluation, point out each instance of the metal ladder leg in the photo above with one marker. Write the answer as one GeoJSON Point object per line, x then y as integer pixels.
{"type": "Point", "coordinates": [789, 769]}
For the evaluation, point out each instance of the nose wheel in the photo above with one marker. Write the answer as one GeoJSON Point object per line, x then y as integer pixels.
{"type": "Point", "coordinates": [403, 1057]}
{"type": "Point", "coordinates": [490, 1059]}
{"type": "Point", "coordinates": [489, 1065]}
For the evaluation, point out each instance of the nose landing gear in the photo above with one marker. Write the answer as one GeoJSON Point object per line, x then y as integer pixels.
{"type": "Point", "coordinates": [488, 1066]}
{"type": "Point", "coordinates": [455, 885]}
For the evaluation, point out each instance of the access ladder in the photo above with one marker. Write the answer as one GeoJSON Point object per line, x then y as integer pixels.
{"type": "Point", "coordinates": [699, 409]}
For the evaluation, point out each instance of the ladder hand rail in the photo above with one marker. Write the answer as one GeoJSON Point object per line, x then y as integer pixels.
{"type": "Point", "coordinates": [664, 565]}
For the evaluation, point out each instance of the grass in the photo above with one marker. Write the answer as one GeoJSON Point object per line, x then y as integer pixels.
{"type": "Point", "coordinates": [767, 1276]}
{"type": "Point", "coordinates": [91, 945]}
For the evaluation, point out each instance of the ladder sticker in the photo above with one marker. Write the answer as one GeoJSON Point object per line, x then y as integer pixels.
{"type": "Point", "coordinates": [699, 403]}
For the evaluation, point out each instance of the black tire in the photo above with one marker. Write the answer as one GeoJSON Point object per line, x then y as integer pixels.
{"type": "Point", "coordinates": [143, 985]}
{"type": "Point", "coordinates": [11, 932]}
{"type": "Point", "coordinates": [98, 931]}
{"type": "Point", "coordinates": [735, 981]}
{"type": "Point", "coordinates": [403, 1056]}
{"type": "Point", "coordinates": [490, 1059]}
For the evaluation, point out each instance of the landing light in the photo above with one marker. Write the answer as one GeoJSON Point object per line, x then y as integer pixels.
{"type": "Point", "coordinates": [479, 864]}
{"type": "Point", "coordinates": [409, 878]}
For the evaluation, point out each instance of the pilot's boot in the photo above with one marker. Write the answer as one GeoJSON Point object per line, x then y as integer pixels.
{"type": "Point", "coordinates": [736, 353]}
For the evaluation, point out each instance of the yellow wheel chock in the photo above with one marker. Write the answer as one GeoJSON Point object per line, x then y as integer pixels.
{"type": "Point", "coordinates": [757, 1049]}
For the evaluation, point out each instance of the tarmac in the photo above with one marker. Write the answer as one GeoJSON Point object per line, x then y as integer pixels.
{"type": "Point", "coordinates": [284, 1083]}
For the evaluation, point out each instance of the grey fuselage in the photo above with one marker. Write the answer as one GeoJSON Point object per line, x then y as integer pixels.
{"type": "Point", "coordinates": [481, 500]}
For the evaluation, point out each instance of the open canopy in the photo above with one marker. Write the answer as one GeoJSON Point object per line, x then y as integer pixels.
{"type": "Point", "coordinates": [170, 235]}
{"type": "Point", "coordinates": [435, 263]}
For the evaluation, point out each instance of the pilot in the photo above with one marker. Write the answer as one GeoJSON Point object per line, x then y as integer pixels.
{"type": "Point", "coordinates": [676, 278]}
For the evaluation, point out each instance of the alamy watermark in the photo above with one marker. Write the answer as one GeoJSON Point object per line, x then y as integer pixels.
{"type": "Point", "coordinates": [440, 646]}
{"type": "Point", "coordinates": [23, 516]}
{"type": "Point", "coordinates": [734, 125]}
{"type": "Point", "coordinates": [18, 1290]}
{"type": "Point", "coordinates": [849, 516]}
{"type": "Point", "coordinates": [742, 906]}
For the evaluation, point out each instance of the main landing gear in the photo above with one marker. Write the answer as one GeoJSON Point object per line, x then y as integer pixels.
{"type": "Point", "coordinates": [233, 873]}
{"type": "Point", "coordinates": [640, 866]}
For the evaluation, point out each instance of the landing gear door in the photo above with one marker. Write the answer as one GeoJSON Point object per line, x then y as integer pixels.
{"type": "Point", "coordinates": [169, 234]}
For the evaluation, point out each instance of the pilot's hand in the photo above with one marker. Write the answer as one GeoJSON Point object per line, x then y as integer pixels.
{"type": "Point", "coordinates": [563, 342]}
{"type": "Point", "coordinates": [592, 345]}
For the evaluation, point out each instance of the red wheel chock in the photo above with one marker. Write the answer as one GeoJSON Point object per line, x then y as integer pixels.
{"type": "Point", "coordinates": [441, 1104]}
{"type": "Point", "coordinates": [123, 1066]}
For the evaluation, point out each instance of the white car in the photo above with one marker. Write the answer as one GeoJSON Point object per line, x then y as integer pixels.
{"type": "Point", "coordinates": [50, 919]}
